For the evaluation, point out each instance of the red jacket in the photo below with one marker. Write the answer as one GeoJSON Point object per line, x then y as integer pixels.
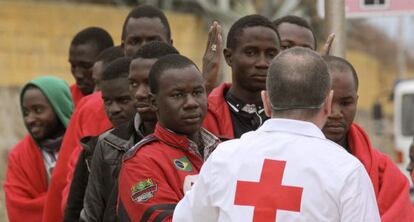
{"type": "Point", "coordinates": [218, 119]}
{"type": "Point", "coordinates": [89, 119]}
{"type": "Point", "coordinates": [26, 182]}
{"type": "Point", "coordinates": [390, 185]}
{"type": "Point", "coordinates": [77, 95]}
{"type": "Point", "coordinates": [152, 176]}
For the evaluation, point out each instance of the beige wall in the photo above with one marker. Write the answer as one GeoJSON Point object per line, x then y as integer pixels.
{"type": "Point", "coordinates": [35, 37]}
{"type": "Point", "coordinates": [376, 81]}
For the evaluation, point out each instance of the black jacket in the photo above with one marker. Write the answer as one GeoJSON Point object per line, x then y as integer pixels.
{"type": "Point", "coordinates": [80, 180]}
{"type": "Point", "coordinates": [101, 192]}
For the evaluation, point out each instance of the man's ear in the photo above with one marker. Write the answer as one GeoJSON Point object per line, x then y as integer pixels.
{"type": "Point", "coordinates": [227, 56]}
{"type": "Point", "coordinates": [171, 41]}
{"type": "Point", "coordinates": [324, 111]}
{"type": "Point", "coordinates": [153, 102]}
{"type": "Point", "coordinates": [266, 103]}
{"type": "Point", "coordinates": [123, 46]}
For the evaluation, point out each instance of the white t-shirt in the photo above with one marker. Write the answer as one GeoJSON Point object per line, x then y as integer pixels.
{"type": "Point", "coordinates": [284, 171]}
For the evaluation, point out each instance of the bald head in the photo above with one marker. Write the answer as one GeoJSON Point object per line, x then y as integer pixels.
{"type": "Point", "coordinates": [298, 79]}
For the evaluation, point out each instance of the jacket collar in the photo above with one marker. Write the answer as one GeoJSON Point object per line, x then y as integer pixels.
{"type": "Point", "coordinates": [292, 126]}
{"type": "Point", "coordinates": [125, 135]}
{"type": "Point", "coordinates": [216, 97]}
{"type": "Point", "coordinates": [170, 138]}
{"type": "Point", "coordinates": [182, 142]}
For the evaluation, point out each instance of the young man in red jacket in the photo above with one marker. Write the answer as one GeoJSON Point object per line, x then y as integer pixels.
{"type": "Point", "coordinates": [158, 170]}
{"type": "Point", "coordinates": [143, 24]}
{"type": "Point", "coordinates": [84, 48]}
{"type": "Point", "coordinates": [391, 187]}
{"type": "Point", "coordinates": [236, 108]}
{"type": "Point", "coordinates": [102, 190]}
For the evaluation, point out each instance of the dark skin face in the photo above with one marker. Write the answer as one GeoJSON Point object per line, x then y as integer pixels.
{"type": "Point", "coordinates": [181, 102]}
{"type": "Point", "coordinates": [39, 116]}
{"type": "Point", "coordinates": [139, 88]}
{"type": "Point", "coordinates": [119, 106]}
{"type": "Point", "coordinates": [81, 59]}
{"type": "Point", "coordinates": [344, 106]}
{"type": "Point", "coordinates": [410, 166]}
{"type": "Point", "coordinates": [140, 31]}
{"type": "Point", "coordinates": [249, 61]}
{"type": "Point", "coordinates": [292, 35]}
{"type": "Point", "coordinates": [97, 70]}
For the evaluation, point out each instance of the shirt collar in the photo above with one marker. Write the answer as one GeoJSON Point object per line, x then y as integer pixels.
{"type": "Point", "coordinates": [292, 126]}
{"type": "Point", "coordinates": [209, 141]}
{"type": "Point", "coordinates": [237, 105]}
{"type": "Point", "coordinates": [137, 122]}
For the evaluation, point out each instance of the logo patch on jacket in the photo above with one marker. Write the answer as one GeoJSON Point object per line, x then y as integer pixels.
{"type": "Point", "coordinates": [143, 190]}
{"type": "Point", "coordinates": [183, 164]}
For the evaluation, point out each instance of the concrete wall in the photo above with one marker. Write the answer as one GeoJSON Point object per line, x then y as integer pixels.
{"type": "Point", "coordinates": [35, 37]}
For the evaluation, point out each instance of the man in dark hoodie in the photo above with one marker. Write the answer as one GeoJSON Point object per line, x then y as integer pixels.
{"type": "Point", "coordinates": [101, 193]}
{"type": "Point", "coordinates": [46, 104]}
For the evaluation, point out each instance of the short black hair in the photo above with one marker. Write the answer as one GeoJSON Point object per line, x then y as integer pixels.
{"type": "Point", "coordinates": [296, 20]}
{"type": "Point", "coordinates": [173, 61]}
{"type": "Point", "coordinates": [96, 35]}
{"type": "Point", "coordinates": [247, 22]}
{"type": "Point", "coordinates": [298, 79]}
{"type": "Point", "coordinates": [110, 54]}
{"type": "Point", "coordinates": [147, 11]}
{"type": "Point", "coordinates": [155, 50]}
{"type": "Point", "coordinates": [341, 65]}
{"type": "Point", "coordinates": [119, 68]}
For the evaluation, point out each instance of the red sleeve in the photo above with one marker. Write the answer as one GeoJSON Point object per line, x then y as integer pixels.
{"type": "Point", "coordinates": [394, 193]}
{"type": "Point", "coordinates": [144, 191]}
{"type": "Point", "coordinates": [25, 185]}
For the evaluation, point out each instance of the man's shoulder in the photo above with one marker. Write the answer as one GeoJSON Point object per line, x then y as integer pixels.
{"type": "Point", "coordinates": [91, 102]}
{"type": "Point", "coordinates": [24, 145]}
{"type": "Point", "coordinates": [216, 97]}
{"type": "Point", "coordinates": [146, 148]}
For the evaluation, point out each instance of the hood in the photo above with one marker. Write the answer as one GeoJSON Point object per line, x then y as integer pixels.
{"type": "Point", "coordinates": [57, 93]}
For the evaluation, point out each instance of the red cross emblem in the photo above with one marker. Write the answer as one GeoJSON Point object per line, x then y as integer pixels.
{"type": "Point", "coordinates": [269, 195]}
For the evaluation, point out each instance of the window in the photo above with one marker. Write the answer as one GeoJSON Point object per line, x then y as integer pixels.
{"type": "Point", "coordinates": [375, 4]}
{"type": "Point", "coordinates": [407, 117]}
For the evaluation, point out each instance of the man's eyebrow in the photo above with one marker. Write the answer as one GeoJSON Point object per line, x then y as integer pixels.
{"type": "Point", "coordinates": [347, 97]}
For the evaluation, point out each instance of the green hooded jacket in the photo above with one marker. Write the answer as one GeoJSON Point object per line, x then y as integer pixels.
{"type": "Point", "coordinates": [57, 92]}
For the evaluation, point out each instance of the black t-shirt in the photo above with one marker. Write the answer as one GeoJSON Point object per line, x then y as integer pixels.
{"type": "Point", "coordinates": [245, 117]}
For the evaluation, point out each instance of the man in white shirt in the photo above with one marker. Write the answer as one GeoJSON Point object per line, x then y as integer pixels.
{"type": "Point", "coordinates": [286, 170]}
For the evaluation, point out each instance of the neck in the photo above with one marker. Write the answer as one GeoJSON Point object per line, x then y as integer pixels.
{"type": "Point", "coordinates": [344, 142]}
{"type": "Point", "coordinates": [196, 138]}
{"type": "Point", "coordinates": [60, 131]}
{"type": "Point", "coordinates": [246, 96]}
{"type": "Point", "coordinates": [149, 127]}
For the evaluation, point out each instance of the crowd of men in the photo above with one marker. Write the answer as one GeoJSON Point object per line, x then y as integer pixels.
{"type": "Point", "coordinates": [145, 135]}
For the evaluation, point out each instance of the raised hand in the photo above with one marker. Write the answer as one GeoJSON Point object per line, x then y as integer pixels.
{"type": "Point", "coordinates": [212, 56]}
{"type": "Point", "coordinates": [328, 44]}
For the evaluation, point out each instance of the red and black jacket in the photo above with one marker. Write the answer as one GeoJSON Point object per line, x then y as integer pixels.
{"type": "Point", "coordinates": [153, 175]}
